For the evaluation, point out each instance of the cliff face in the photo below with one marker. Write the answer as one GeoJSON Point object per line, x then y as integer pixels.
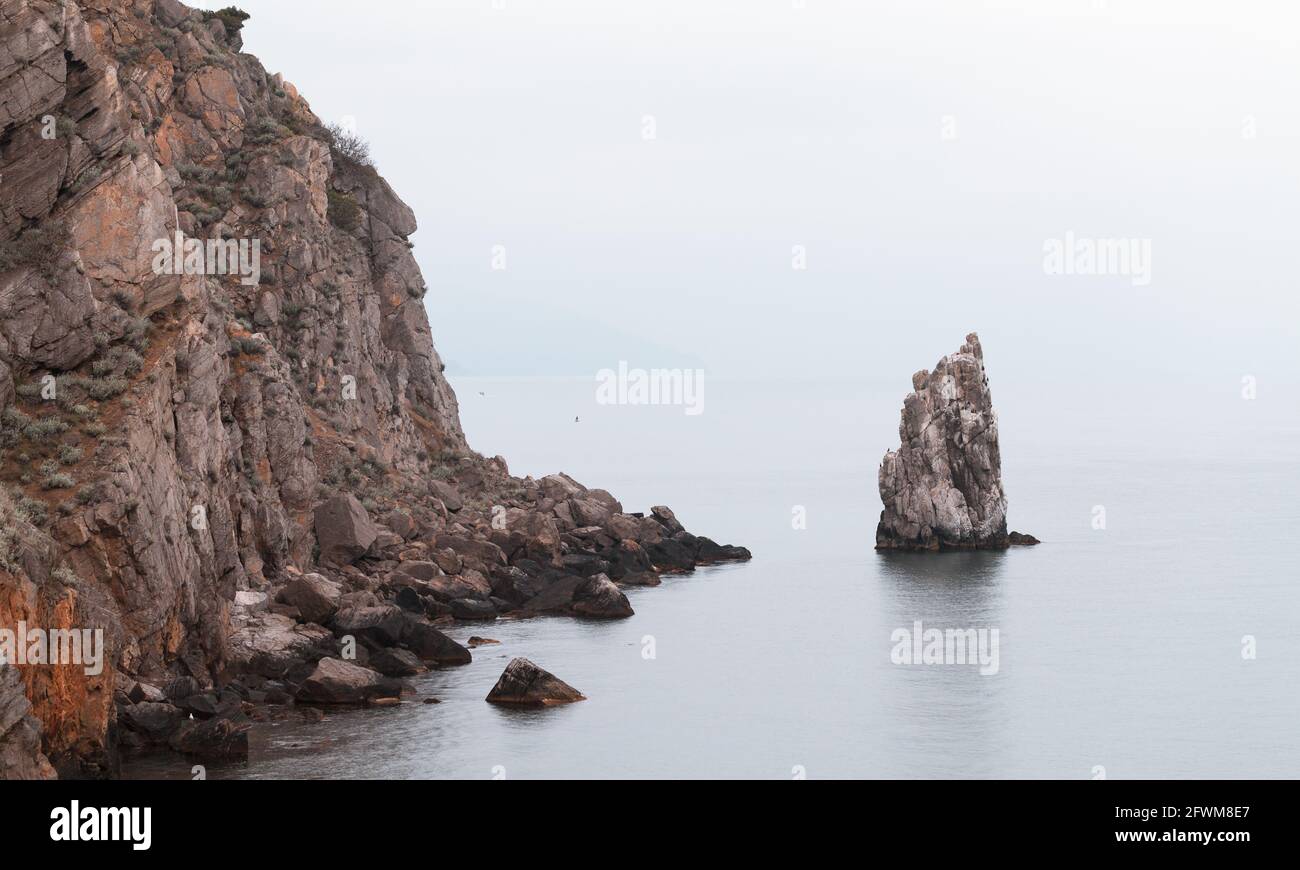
{"type": "Point", "coordinates": [943, 487]}
{"type": "Point", "coordinates": [170, 435]}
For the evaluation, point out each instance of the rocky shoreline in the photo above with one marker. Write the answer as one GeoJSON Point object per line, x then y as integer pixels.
{"type": "Point", "coordinates": [249, 475]}
{"type": "Point", "coordinates": [350, 633]}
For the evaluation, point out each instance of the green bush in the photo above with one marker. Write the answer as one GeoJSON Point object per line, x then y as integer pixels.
{"type": "Point", "coordinates": [38, 248]}
{"type": "Point", "coordinates": [44, 428]}
{"type": "Point", "coordinates": [349, 146]}
{"type": "Point", "coordinates": [58, 481]}
{"type": "Point", "coordinates": [249, 346]}
{"type": "Point", "coordinates": [344, 212]}
{"type": "Point", "coordinates": [106, 388]}
{"type": "Point", "coordinates": [232, 16]}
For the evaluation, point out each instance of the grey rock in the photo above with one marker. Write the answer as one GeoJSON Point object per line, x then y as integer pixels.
{"type": "Point", "coordinates": [943, 487]}
{"type": "Point", "coordinates": [335, 681]}
{"type": "Point", "coordinates": [343, 529]}
{"type": "Point", "coordinates": [317, 598]}
{"type": "Point", "coordinates": [599, 598]}
{"type": "Point", "coordinates": [523, 683]}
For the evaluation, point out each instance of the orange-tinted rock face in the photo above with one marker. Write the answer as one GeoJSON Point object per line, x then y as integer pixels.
{"type": "Point", "coordinates": [64, 704]}
{"type": "Point", "coordinates": [124, 123]}
{"type": "Point", "coordinates": [171, 423]}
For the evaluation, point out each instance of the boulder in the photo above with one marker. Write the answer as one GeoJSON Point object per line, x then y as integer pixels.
{"type": "Point", "coordinates": [335, 681]}
{"type": "Point", "coordinates": [516, 586]}
{"type": "Point", "coordinates": [409, 600]}
{"type": "Point", "coordinates": [141, 692]}
{"type": "Point", "coordinates": [396, 662]}
{"type": "Point", "coordinates": [599, 598]}
{"type": "Point", "coordinates": [470, 584]}
{"type": "Point", "coordinates": [154, 722]}
{"type": "Point", "coordinates": [343, 529]}
{"type": "Point", "coordinates": [447, 494]}
{"type": "Point", "coordinates": [224, 738]}
{"type": "Point", "coordinates": [271, 644]}
{"type": "Point", "coordinates": [401, 523]}
{"type": "Point", "coordinates": [557, 596]}
{"type": "Point", "coordinates": [666, 518]}
{"type": "Point", "coordinates": [470, 609]}
{"type": "Point", "coordinates": [589, 511]}
{"type": "Point", "coordinates": [560, 487]}
{"type": "Point", "coordinates": [420, 570]}
{"type": "Point", "coordinates": [250, 601]}
{"type": "Point", "coordinates": [182, 687]}
{"type": "Point", "coordinates": [628, 557]}
{"type": "Point", "coordinates": [377, 626]}
{"type": "Point", "coordinates": [448, 560]}
{"type": "Point", "coordinates": [710, 552]}
{"type": "Point", "coordinates": [431, 645]}
{"type": "Point", "coordinates": [316, 597]}
{"type": "Point", "coordinates": [523, 683]}
{"type": "Point", "coordinates": [584, 564]}
{"type": "Point", "coordinates": [671, 555]}
{"type": "Point", "coordinates": [477, 553]}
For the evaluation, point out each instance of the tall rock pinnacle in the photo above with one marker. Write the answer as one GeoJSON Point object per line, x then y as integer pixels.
{"type": "Point", "coordinates": [942, 489]}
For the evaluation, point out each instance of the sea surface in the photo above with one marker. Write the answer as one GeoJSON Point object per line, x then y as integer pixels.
{"type": "Point", "coordinates": [1152, 634]}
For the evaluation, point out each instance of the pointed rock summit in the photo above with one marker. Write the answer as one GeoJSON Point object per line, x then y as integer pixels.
{"type": "Point", "coordinates": [942, 488]}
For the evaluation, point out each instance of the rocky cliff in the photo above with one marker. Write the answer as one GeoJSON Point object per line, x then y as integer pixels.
{"type": "Point", "coordinates": [225, 435]}
{"type": "Point", "coordinates": [942, 489]}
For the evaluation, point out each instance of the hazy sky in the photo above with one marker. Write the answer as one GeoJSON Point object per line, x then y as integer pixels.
{"type": "Point", "coordinates": [921, 153]}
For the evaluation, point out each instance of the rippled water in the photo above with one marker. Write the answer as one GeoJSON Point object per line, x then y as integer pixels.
{"type": "Point", "coordinates": [1119, 648]}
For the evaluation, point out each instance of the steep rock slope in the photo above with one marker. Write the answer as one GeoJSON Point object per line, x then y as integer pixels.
{"type": "Point", "coordinates": [232, 477]}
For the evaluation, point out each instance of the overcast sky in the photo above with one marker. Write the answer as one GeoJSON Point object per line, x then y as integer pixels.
{"type": "Point", "coordinates": [922, 153]}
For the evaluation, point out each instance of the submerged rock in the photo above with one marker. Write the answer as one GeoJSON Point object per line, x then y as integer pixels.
{"type": "Point", "coordinates": [218, 739]}
{"type": "Point", "coordinates": [942, 488]}
{"type": "Point", "coordinates": [525, 684]}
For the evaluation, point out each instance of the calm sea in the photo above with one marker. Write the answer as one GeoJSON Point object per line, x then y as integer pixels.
{"type": "Point", "coordinates": [1162, 645]}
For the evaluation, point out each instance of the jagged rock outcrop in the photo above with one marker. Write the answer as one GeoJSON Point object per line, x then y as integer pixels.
{"type": "Point", "coordinates": [238, 468]}
{"type": "Point", "coordinates": [942, 489]}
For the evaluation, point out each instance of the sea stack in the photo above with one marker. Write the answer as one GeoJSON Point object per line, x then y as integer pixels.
{"type": "Point", "coordinates": [942, 488]}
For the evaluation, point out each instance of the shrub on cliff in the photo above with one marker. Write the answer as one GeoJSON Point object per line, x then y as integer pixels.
{"type": "Point", "coordinates": [344, 212]}
{"type": "Point", "coordinates": [232, 16]}
{"type": "Point", "coordinates": [348, 145]}
{"type": "Point", "coordinates": [37, 248]}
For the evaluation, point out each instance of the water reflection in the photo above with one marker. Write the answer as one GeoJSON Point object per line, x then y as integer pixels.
{"type": "Point", "coordinates": [944, 720]}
